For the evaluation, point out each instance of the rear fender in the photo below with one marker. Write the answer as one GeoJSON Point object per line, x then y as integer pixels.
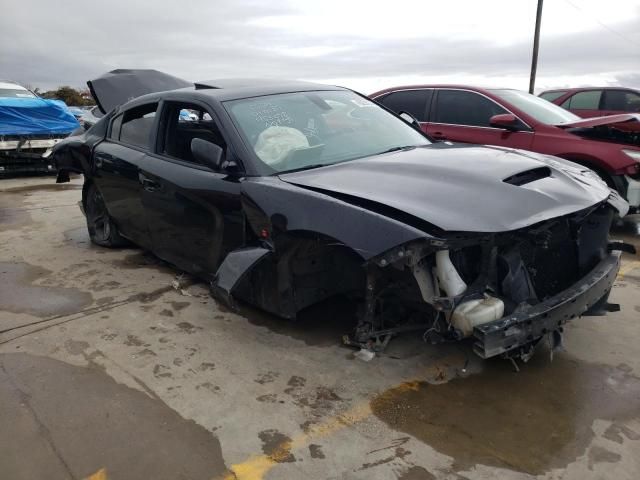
{"type": "Point", "coordinates": [74, 154]}
{"type": "Point", "coordinates": [71, 156]}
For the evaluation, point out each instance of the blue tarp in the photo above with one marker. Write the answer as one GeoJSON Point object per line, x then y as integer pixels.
{"type": "Point", "coordinates": [35, 116]}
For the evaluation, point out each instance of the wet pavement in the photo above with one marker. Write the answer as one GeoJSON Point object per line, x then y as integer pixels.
{"type": "Point", "coordinates": [67, 417]}
{"type": "Point", "coordinates": [115, 365]}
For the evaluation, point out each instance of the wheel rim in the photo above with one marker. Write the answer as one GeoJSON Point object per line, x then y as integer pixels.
{"type": "Point", "coordinates": [98, 217]}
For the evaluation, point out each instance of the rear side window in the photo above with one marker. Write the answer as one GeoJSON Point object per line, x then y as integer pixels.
{"type": "Point", "coordinates": [134, 126]}
{"type": "Point", "coordinates": [459, 107]}
{"type": "Point", "coordinates": [589, 100]}
{"type": "Point", "coordinates": [411, 101]}
{"type": "Point", "coordinates": [621, 100]}
{"type": "Point", "coordinates": [551, 96]}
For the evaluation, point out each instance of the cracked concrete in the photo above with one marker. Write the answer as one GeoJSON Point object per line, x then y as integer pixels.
{"type": "Point", "coordinates": [124, 372]}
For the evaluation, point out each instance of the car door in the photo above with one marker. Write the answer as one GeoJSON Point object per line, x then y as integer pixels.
{"type": "Point", "coordinates": [117, 162]}
{"type": "Point", "coordinates": [194, 214]}
{"type": "Point", "coordinates": [463, 116]}
{"type": "Point", "coordinates": [585, 104]}
{"type": "Point", "coordinates": [414, 101]}
{"type": "Point", "coordinates": [620, 101]}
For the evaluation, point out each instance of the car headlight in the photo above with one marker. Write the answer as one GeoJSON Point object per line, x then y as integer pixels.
{"type": "Point", "coordinates": [635, 154]}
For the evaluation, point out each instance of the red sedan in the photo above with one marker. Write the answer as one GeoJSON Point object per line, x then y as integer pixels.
{"type": "Point", "coordinates": [595, 102]}
{"type": "Point", "coordinates": [510, 118]}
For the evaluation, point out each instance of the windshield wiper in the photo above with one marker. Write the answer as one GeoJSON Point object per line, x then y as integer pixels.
{"type": "Point", "coordinates": [306, 167]}
{"type": "Point", "coordinates": [397, 149]}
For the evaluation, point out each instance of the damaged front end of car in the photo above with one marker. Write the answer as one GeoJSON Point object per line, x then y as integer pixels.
{"type": "Point", "coordinates": [507, 290]}
{"type": "Point", "coordinates": [520, 249]}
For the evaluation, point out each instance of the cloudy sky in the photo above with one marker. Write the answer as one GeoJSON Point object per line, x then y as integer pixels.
{"type": "Point", "coordinates": [365, 45]}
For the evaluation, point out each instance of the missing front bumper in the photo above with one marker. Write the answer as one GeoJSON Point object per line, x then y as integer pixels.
{"type": "Point", "coordinates": [523, 327]}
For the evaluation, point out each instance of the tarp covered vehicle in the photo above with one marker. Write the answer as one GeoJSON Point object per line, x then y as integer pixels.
{"type": "Point", "coordinates": [29, 127]}
{"type": "Point", "coordinates": [285, 194]}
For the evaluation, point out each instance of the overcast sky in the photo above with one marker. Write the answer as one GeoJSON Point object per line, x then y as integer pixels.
{"type": "Point", "coordinates": [365, 45]}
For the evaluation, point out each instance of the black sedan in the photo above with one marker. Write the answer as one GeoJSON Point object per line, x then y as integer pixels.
{"type": "Point", "coordinates": [285, 194]}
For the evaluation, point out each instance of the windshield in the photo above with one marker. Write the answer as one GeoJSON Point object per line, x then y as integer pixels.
{"type": "Point", "coordinates": [301, 130]}
{"type": "Point", "coordinates": [15, 93]}
{"type": "Point", "coordinates": [536, 107]}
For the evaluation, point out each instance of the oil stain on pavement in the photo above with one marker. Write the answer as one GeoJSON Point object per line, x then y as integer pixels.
{"type": "Point", "coordinates": [530, 421]}
{"type": "Point", "coordinates": [19, 295]}
{"type": "Point", "coordinates": [64, 421]}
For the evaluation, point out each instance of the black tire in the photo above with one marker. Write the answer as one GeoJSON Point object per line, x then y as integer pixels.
{"type": "Point", "coordinates": [102, 230]}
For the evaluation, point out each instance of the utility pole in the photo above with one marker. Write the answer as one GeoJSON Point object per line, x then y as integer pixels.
{"type": "Point", "coordinates": [536, 42]}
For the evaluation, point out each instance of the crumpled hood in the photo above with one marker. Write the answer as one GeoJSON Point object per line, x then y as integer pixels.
{"type": "Point", "coordinates": [460, 187]}
{"type": "Point", "coordinates": [628, 122]}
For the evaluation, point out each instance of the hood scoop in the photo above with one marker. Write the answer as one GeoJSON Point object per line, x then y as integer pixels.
{"type": "Point", "coordinates": [528, 176]}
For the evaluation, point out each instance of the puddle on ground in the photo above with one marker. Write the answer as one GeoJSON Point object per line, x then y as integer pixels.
{"type": "Point", "coordinates": [19, 295]}
{"type": "Point", "coordinates": [276, 446]}
{"type": "Point", "coordinates": [44, 187]}
{"type": "Point", "coordinates": [530, 421]}
{"type": "Point", "coordinates": [95, 423]}
{"type": "Point", "coordinates": [320, 325]}
{"type": "Point", "coordinates": [14, 220]}
{"type": "Point", "coordinates": [11, 215]}
{"type": "Point", "coordinates": [143, 259]}
{"type": "Point", "coordinates": [417, 473]}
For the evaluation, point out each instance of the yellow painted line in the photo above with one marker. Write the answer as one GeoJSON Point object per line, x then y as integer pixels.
{"type": "Point", "coordinates": [99, 475]}
{"type": "Point", "coordinates": [256, 467]}
{"type": "Point", "coordinates": [628, 268]}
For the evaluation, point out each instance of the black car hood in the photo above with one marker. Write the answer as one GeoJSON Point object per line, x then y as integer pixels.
{"type": "Point", "coordinates": [119, 86]}
{"type": "Point", "coordinates": [460, 187]}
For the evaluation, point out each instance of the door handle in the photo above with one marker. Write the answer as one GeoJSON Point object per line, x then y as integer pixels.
{"type": "Point", "coordinates": [439, 135]}
{"type": "Point", "coordinates": [100, 158]}
{"type": "Point", "coordinates": [148, 184]}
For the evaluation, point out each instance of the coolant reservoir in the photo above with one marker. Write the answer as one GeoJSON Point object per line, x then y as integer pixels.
{"type": "Point", "coordinates": [476, 312]}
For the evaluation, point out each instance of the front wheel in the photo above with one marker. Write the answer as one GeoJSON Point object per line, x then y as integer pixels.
{"type": "Point", "coordinates": [102, 230]}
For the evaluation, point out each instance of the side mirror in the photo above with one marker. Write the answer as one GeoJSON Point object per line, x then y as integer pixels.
{"type": "Point", "coordinates": [508, 121]}
{"type": "Point", "coordinates": [407, 117]}
{"type": "Point", "coordinates": [207, 153]}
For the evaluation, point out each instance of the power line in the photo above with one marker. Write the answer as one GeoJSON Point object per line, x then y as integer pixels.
{"type": "Point", "coordinates": [603, 25]}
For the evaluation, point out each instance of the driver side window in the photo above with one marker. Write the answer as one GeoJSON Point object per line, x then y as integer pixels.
{"type": "Point", "coordinates": [459, 107]}
{"type": "Point", "coordinates": [182, 123]}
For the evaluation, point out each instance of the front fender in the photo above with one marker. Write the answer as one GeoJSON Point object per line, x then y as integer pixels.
{"type": "Point", "coordinates": [274, 207]}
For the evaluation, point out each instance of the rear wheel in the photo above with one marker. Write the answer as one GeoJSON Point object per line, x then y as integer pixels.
{"type": "Point", "coordinates": [102, 230]}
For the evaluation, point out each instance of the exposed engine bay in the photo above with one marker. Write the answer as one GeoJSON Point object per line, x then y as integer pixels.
{"type": "Point", "coordinates": [609, 133]}
{"type": "Point", "coordinates": [460, 283]}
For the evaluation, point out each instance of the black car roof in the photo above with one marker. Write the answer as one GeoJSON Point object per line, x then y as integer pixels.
{"type": "Point", "coordinates": [237, 88]}
{"type": "Point", "coordinates": [129, 86]}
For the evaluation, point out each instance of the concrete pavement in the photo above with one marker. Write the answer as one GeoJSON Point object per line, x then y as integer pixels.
{"type": "Point", "coordinates": [115, 365]}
